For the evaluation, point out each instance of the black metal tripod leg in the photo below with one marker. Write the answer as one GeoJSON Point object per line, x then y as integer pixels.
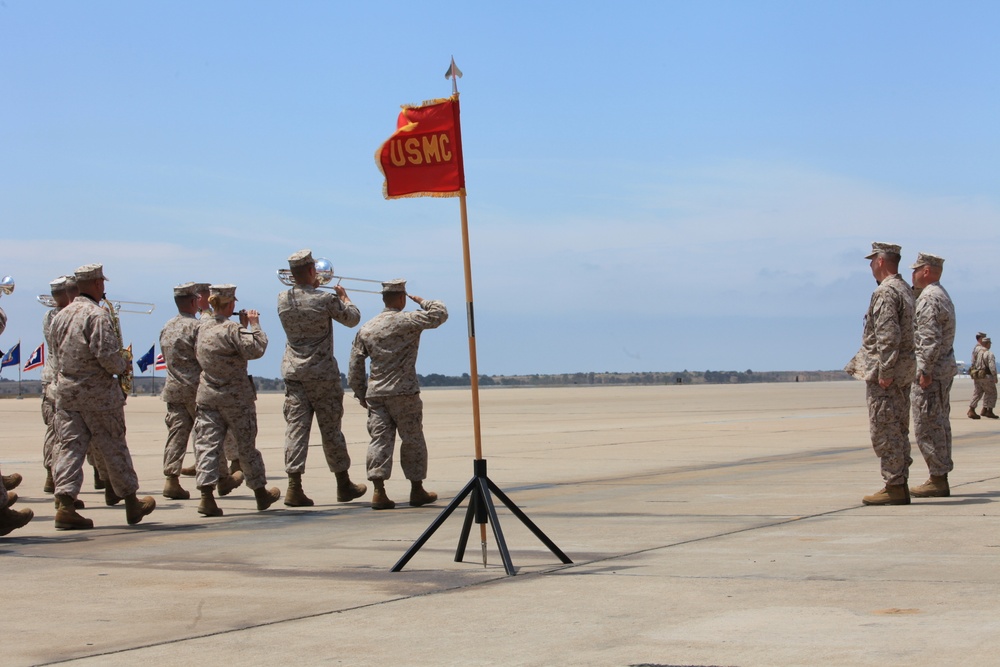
{"type": "Point", "coordinates": [411, 552]}
{"type": "Point", "coordinates": [527, 522]}
{"type": "Point", "coordinates": [463, 539]}
{"type": "Point", "coordinates": [484, 484]}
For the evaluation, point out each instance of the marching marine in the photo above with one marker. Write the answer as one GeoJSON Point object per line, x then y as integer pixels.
{"type": "Point", "coordinates": [178, 342]}
{"type": "Point", "coordinates": [90, 403]}
{"type": "Point", "coordinates": [226, 399]}
{"type": "Point", "coordinates": [312, 377]}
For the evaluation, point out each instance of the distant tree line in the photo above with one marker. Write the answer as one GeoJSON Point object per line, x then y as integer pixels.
{"type": "Point", "coordinates": [145, 386]}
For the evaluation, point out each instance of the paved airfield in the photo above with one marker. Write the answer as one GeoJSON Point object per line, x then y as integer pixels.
{"type": "Point", "coordinates": [708, 525]}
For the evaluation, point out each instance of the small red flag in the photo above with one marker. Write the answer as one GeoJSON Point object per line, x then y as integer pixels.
{"type": "Point", "coordinates": [423, 157]}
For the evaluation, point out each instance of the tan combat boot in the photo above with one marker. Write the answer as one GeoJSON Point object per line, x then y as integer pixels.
{"type": "Point", "coordinates": [935, 487]}
{"type": "Point", "coordinates": [971, 414]}
{"type": "Point", "coordinates": [50, 484]}
{"type": "Point", "coordinates": [14, 519]}
{"type": "Point", "coordinates": [294, 495]}
{"type": "Point", "coordinates": [135, 508]}
{"type": "Point", "coordinates": [348, 490]}
{"type": "Point", "coordinates": [207, 506]}
{"type": "Point", "coordinates": [266, 497]}
{"type": "Point", "coordinates": [892, 494]}
{"type": "Point", "coordinates": [234, 466]}
{"type": "Point", "coordinates": [11, 481]}
{"type": "Point", "coordinates": [67, 517]}
{"type": "Point", "coordinates": [77, 504]}
{"type": "Point", "coordinates": [99, 483]}
{"type": "Point", "coordinates": [110, 497]}
{"type": "Point", "coordinates": [418, 496]}
{"type": "Point", "coordinates": [230, 482]}
{"type": "Point", "coordinates": [172, 489]}
{"type": "Point", "coordinates": [380, 499]}
{"type": "Point", "coordinates": [988, 412]}
{"type": "Point", "coordinates": [189, 471]}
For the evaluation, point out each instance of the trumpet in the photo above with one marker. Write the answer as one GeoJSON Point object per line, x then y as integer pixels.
{"type": "Point", "coordinates": [119, 306]}
{"type": "Point", "coordinates": [324, 271]}
{"type": "Point", "coordinates": [7, 285]}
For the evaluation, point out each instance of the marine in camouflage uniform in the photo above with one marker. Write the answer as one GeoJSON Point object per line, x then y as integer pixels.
{"type": "Point", "coordinates": [934, 338]}
{"type": "Point", "coordinates": [988, 362]}
{"type": "Point", "coordinates": [90, 403]}
{"type": "Point", "coordinates": [226, 398]}
{"type": "Point", "coordinates": [312, 377]}
{"type": "Point", "coordinates": [178, 340]}
{"type": "Point", "coordinates": [887, 364]}
{"type": "Point", "coordinates": [392, 391]}
{"type": "Point", "coordinates": [975, 372]}
{"type": "Point", "coordinates": [63, 290]}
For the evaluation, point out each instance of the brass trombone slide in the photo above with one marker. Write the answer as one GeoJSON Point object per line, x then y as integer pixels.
{"type": "Point", "coordinates": [139, 307]}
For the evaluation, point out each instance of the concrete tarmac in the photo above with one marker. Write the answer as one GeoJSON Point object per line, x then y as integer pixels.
{"type": "Point", "coordinates": [708, 525]}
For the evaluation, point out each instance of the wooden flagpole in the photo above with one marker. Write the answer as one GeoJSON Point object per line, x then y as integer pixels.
{"type": "Point", "coordinates": [481, 507]}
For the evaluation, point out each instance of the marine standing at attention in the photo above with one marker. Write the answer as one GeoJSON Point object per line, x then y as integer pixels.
{"type": "Point", "coordinates": [887, 364]}
{"type": "Point", "coordinates": [934, 338]}
{"type": "Point", "coordinates": [392, 391]}
{"type": "Point", "coordinates": [226, 399]}
{"type": "Point", "coordinates": [312, 377]}
{"type": "Point", "coordinates": [90, 403]}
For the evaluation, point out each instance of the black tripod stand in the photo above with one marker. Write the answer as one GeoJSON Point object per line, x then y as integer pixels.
{"type": "Point", "coordinates": [481, 508]}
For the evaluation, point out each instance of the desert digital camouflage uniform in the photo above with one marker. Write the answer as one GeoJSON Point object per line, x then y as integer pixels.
{"type": "Point", "coordinates": [887, 352]}
{"type": "Point", "coordinates": [988, 362]}
{"type": "Point", "coordinates": [311, 374]}
{"type": "Point", "coordinates": [934, 338]}
{"type": "Point", "coordinates": [178, 340]}
{"type": "Point", "coordinates": [225, 399]}
{"type": "Point", "coordinates": [89, 400]}
{"type": "Point", "coordinates": [984, 387]}
{"type": "Point", "coordinates": [392, 391]}
{"type": "Point", "coordinates": [48, 391]}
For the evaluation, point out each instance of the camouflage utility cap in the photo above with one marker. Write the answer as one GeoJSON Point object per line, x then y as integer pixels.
{"type": "Point", "coordinates": [391, 286]}
{"type": "Point", "coordinates": [59, 284]}
{"type": "Point", "coordinates": [223, 292]}
{"type": "Point", "coordinates": [91, 272]}
{"type": "Point", "coordinates": [882, 249]}
{"type": "Point", "coordinates": [923, 259]}
{"type": "Point", "coordinates": [186, 289]}
{"type": "Point", "coordinates": [301, 258]}
{"type": "Point", "coordinates": [201, 287]}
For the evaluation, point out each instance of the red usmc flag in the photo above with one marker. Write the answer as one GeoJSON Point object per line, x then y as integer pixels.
{"type": "Point", "coordinates": [423, 157]}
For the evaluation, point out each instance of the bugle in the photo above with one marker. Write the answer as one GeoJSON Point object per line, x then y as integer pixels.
{"type": "Point", "coordinates": [324, 271]}
{"type": "Point", "coordinates": [6, 285]}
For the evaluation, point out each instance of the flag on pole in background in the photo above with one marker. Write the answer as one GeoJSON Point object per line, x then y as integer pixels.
{"type": "Point", "coordinates": [37, 358]}
{"type": "Point", "coordinates": [13, 356]}
{"type": "Point", "coordinates": [161, 363]}
{"type": "Point", "coordinates": [146, 360]}
{"type": "Point", "coordinates": [423, 157]}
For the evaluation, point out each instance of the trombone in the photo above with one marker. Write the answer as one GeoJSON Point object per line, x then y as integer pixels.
{"type": "Point", "coordinates": [139, 307]}
{"type": "Point", "coordinates": [324, 271]}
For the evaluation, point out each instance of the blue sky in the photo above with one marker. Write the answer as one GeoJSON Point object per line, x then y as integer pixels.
{"type": "Point", "coordinates": [652, 185]}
